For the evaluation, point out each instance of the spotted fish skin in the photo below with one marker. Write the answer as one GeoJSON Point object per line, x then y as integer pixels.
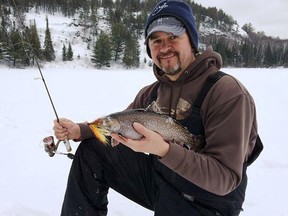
{"type": "Point", "coordinates": [169, 129]}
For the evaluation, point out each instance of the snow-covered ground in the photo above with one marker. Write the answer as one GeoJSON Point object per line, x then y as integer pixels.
{"type": "Point", "coordinates": [33, 184]}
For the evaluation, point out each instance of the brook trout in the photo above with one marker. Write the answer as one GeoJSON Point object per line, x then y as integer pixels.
{"type": "Point", "coordinates": [122, 123]}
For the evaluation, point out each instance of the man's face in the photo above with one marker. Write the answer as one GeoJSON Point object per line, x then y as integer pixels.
{"type": "Point", "coordinates": [173, 54]}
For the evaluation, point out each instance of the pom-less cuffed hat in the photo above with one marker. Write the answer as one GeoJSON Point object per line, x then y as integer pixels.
{"type": "Point", "coordinates": [168, 9]}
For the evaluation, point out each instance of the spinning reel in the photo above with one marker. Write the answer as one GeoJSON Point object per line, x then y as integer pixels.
{"type": "Point", "coordinates": [51, 148]}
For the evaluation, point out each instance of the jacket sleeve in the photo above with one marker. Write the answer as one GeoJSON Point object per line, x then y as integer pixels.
{"type": "Point", "coordinates": [228, 115]}
{"type": "Point", "coordinates": [85, 132]}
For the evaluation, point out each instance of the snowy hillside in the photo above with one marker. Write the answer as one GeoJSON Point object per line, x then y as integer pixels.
{"type": "Point", "coordinates": [66, 30]}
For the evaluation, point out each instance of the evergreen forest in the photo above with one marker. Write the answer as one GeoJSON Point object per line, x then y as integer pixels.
{"type": "Point", "coordinates": [125, 19]}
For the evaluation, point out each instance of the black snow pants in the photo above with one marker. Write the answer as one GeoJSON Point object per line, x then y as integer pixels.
{"type": "Point", "coordinates": [137, 176]}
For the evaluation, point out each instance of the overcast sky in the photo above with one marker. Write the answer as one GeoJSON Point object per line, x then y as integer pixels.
{"type": "Point", "coordinates": [268, 16]}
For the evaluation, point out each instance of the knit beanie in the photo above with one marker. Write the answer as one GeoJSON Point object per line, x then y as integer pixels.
{"type": "Point", "coordinates": [181, 11]}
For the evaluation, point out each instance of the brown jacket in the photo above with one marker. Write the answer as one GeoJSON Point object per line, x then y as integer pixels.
{"type": "Point", "coordinates": [229, 119]}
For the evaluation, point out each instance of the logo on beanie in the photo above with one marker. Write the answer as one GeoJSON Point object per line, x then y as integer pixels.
{"type": "Point", "coordinates": [159, 8]}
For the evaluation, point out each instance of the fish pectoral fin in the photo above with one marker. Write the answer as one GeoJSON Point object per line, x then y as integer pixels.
{"type": "Point", "coordinates": [182, 144]}
{"type": "Point", "coordinates": [173, 141]}
{"type": "Point", "coordinates": [100, 133]}
{"type": "Point", "coordinates": [114, 142]}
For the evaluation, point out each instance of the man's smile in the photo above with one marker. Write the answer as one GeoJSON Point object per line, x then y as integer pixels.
{"type": "Point", "coordinates": [171, 55]}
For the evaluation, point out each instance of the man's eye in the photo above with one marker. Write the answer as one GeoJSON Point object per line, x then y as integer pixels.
{"type": "Point", "coordinates": [157, 41]}
{"type": "Point", "coordinates": [173, 37]}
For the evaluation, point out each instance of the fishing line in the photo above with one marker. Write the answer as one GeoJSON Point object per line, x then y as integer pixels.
{"type": "Point", "coordinates": [66, 141]}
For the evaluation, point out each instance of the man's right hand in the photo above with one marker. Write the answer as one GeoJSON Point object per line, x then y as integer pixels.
{"type": "Point", "coordinates": [66, 129]}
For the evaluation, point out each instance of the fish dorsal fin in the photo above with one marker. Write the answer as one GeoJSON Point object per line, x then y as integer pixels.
{"type": "Point", "coordinates": [153, 107]}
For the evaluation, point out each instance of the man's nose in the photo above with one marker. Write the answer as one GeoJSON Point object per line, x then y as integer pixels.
{"type": "Point", "coordinates": [166, 45]}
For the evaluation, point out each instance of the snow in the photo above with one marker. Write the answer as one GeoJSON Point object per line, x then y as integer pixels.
{"type": "Point", "coordinates": [32, 183]}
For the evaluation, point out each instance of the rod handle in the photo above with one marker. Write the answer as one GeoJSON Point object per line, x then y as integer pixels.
{"type": "Point", "coordinates": [67, 145]}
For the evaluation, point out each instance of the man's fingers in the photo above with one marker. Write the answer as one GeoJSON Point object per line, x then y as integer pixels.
{"type": "Point", "coordinates": [141, 129]}
{"type": "Point", "coordinates": [118, 137]}
{"type": "Point", "coordinates": [60, 131]}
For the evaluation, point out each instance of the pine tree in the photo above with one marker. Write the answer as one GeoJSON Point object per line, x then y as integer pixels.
{"type": "Point", "coordinates": [102, 51]}
{"type": "Point", "coordinates": [118, 35]}
{"type": "Point", "coordinates": [257, 56]}
{"type": "Point", "coordinates": [49, 53]}
{"type": "Point", "coordinates": [64, 54]}
{"type": "Point", "coordinates": [69, 53]}
{"type": "Point", "coordinates": [285, 58]}
{"type": "Point", "coordinates": [107, 4]}
{"type": "Point", "coordinates": [2, 44]}
{"type": "Point", "coordinates": [4, 37]}
{"type": "Point", "coordinates": [221, 47]}
{"type": "Point", "coordinates": [248, 28]}
{"type": "Point", "coordinates": [131, 53]}
{"type": "Point", "coordinates": [269, 57]}
{"type": "Point", "coordinates": [17, 51]}
{"type": "Point", "coordinates": [247, 53]}
{"type": "Point", "coordinates": [34, 42]}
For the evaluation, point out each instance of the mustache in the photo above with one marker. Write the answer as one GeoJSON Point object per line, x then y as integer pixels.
{"type": "Point", "coordinates": [168, 53]}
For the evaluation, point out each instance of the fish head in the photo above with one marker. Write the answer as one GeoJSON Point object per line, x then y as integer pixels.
{"type": "Point", "coordinates": [111, 123]}
{"type": "Point", "coordinates": [102, 127]}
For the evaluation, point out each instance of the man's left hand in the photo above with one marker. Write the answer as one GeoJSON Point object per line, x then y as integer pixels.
{"type": "Point", "coordinates": [151, 142]}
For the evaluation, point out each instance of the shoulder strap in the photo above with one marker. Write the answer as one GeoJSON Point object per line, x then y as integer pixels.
{"type": "Point", "coordinates": [258, 148]}
{"type": "Point", "coordinates": [153, 95]}
{"type": "Point", "coordinates": [211, 80]}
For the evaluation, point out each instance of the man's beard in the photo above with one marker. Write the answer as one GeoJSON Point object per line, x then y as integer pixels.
{"type": "Point", "coordinates": [171, 70]}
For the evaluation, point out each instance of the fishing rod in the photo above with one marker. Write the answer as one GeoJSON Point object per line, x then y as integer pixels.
{"type": "Point", "coordinates": [49, 145]}
{"type": "Point", "coordinates": [66, 141]}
